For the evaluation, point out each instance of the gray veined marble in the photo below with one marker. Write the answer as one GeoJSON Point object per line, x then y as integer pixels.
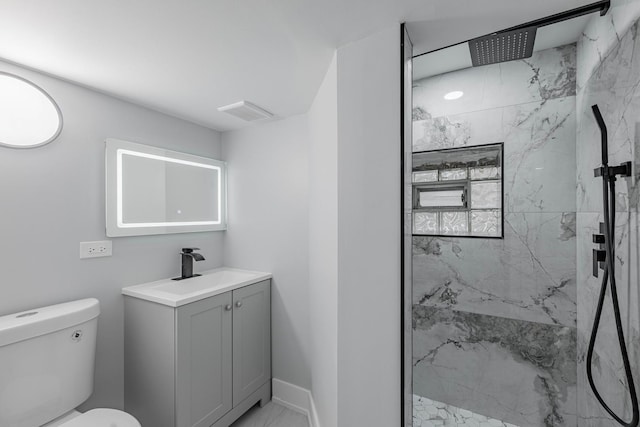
{"type": "Point", "coordinates": [547, 75]}
{"type": "Point", "coordinates": [528, 275]}
{"type": "Point", "coordinates": [430, 413]}
{"type": "Point", "coordinates": [539, 149]}
{"type": "Point", "coordinates": [620, 108]}
{"type": "Point", "coordinates": [607, 362]}
{"type": "Point", "coordinates": [609, 75]}
{"type": "Point", "coordinates": [520, 372]}
{"type": "Point", "coordinates": [600, 38]}
{"type": "Point", "coordinates": [615, 65]}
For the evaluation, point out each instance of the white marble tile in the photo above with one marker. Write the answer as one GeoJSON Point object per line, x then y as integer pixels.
{"type": "Point", "coordinates": [427, 413]}
{"type": "Point", "coordinates": [539, 149]}
{"type": "Point", "coordinates": [519, 372]}
{"type": "Point", "coordinates": [608, 369]}
{"type": "Point", "coordinates": [548, 74]}
{"type": "Point", "coordinates": [539, 158]}
{"type": "Point", "coordinates": [609, 75]}
{"type": "Point", "coordinates": [620, 109]}
{"type": "Point", "coordinates": [605, 53]}
{"type": "Point", "coordinates": [271, 415]}
{"type": "Point", "coordinates": [528, 275]}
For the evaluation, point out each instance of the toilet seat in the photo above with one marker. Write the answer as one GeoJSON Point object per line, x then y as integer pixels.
{"type": "Point", "coordinates": [103, 417]}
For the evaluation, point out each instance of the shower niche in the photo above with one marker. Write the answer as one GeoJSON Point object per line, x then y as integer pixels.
{"type": "Point", "coordinates": [458, 191]}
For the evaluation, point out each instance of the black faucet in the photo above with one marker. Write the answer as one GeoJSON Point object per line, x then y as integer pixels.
{"type": "Point", "coordinates": [187, 262]}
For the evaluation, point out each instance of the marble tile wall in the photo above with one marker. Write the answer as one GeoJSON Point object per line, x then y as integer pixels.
{"type": "Point", "coordinates": [494, 319]}
{"type": "Point", "coordinates": [609, 75]}
{"type": "Point", "coordinates": [511, 370]}
{"type": "Point", "coordinates": [430, 413]}
{"type": "Point", "coordinates": [530, 275]}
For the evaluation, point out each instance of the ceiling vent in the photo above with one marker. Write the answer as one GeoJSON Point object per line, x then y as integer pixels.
{"type": "Point", "coordinates": [246, 111]}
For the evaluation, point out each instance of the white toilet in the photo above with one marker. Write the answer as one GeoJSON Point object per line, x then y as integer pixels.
{"type": "Point", "coordinates": [47, 358]}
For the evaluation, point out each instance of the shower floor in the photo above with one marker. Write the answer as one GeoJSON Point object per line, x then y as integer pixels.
{"type": "Point", "coordinates": [429, 413]}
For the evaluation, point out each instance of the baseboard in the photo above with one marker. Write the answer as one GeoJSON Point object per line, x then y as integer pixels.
{"type": "Point", "coordinates": [296, 398]}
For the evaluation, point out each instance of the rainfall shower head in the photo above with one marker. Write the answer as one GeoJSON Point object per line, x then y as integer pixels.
{"type": "Point", "coordinates": [503, 46]}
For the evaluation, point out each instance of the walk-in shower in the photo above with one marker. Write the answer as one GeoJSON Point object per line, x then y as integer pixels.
{"type": "Point", "coordinates": [505, 323]}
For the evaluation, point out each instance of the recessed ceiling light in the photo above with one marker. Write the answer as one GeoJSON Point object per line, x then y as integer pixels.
{"type": "Point", "coordinates": [454, 95]}
{"type": "Point", "coordinates": [30, 117]}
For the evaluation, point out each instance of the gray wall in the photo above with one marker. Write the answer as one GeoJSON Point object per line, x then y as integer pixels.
{"type": "Point", "coordinates": [53, 198]}
{"type": "Point", "coordinates": [608, 75]}
{"type": "Point", "coordinates": [268, 230]}
{"type": "Point", "coordinates": [494, 319]}
{"type": "Point", "coordinates": [368, 79]}
{"type": "Point", "coordinates": [323, 248]}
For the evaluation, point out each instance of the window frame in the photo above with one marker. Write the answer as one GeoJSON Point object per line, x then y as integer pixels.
{"type": "Point", "coordinates": [454, 184]}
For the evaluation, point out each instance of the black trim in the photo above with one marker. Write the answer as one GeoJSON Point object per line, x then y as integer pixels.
{"type": "Point", "coordinates": [403, 34]}
{"type": "Point", "coordinates": [603, 7]}
{"type": "Point", "coordinates": [600, 6]}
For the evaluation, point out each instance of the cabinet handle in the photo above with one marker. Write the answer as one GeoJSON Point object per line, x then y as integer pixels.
{"type": "Point", "coordinates": [227, 307]}
{"type": "Point", "coordinates": [239, 304]}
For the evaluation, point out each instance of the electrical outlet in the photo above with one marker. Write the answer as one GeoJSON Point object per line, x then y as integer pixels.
{"type": "Point", "coordinates": [95, 249]}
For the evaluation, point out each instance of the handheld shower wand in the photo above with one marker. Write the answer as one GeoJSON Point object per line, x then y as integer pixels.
{"type": "Point", "coordinates": [606, 256]}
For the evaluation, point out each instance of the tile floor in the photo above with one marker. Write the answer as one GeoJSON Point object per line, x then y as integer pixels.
{"type": "Point", "coordinates": [271, 415]}
{"type": "Point", "coordinates": [429, 413]}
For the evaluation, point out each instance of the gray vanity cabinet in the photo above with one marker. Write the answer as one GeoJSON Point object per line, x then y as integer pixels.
{"type": "Point", "coordinates": [201, 364]}
{"type": "Point", "coordinates": [204, 361]}
{"type": "Point", "coordinates": [251, 339]}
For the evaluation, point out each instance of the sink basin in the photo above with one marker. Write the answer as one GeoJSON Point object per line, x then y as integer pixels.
{"type": "Point", "coordinates": [204, 282]}
{"type": "Point", "coordinates": [213, 282]}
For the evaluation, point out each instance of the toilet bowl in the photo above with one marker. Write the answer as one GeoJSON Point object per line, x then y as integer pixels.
{"type": "Point", "coordinates": [51, 352]}
{"type": "Point", "coordinates": [101, 417]}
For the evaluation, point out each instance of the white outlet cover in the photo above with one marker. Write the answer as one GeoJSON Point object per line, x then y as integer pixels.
{"type": "Point", "coordinates": [95, 249]}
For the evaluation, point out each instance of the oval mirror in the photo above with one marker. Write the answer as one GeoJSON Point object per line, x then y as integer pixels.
{"type": "Point", "coordinates": [29, 117]}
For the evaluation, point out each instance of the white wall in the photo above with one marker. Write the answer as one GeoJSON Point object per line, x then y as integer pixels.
{"type": "Point", "coordinates": [268, 230]}
{"type": "Point", "coordinates": [369, 231]}
{"type": "Point", "coordinates": [323, 248]}
{"type": "Point", "coordinates": [53, 197]}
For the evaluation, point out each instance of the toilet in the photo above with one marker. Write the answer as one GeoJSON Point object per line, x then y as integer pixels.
{"type": "Point", "coordinates": [47, 358]}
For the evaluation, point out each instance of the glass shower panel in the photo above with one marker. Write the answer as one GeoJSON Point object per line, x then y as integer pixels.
{"type": "Point", "coordinates": [500, 279]}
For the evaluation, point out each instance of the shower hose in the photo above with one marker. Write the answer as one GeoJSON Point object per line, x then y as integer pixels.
{"type": "Point", "coordinates": [609, 277]}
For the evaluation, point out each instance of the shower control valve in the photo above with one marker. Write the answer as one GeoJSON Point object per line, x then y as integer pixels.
{"type": "Point", "coordinates": [600, 254]}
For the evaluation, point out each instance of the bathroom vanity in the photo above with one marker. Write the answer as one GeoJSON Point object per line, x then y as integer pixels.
{"type": "Point", "coordinates": [198, 351]}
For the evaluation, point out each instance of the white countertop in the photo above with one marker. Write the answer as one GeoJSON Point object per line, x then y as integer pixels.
{"type": "Point", "coordinates": [175, 293]}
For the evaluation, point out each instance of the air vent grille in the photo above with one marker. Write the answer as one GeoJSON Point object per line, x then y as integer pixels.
{"type": "Point", "coordinates": [246, 111]}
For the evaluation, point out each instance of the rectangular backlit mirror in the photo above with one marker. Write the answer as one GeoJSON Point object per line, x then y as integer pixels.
{"type": "Point", "coordinates": [151, 190]}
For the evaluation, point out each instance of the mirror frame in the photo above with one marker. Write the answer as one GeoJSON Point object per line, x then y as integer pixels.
{"type": "Point", "coordinates": [113, 191]}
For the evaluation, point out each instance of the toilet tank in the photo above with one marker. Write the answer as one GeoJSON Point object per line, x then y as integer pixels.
{"type": "Point", "coordinates": [47, 358]}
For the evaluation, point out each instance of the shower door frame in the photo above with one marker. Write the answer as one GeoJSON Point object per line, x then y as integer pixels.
{"type": "Point", "coordinates": [406, 231]}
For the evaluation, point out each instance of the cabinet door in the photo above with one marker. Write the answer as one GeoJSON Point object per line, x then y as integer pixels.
{"type": "Point", "coordinates": [203, 361]}
{"type": "Point", "coordinates": [251, 339]}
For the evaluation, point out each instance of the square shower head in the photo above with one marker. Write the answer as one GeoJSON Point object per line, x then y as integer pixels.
{"type": "Point", "coordinates": [502, 47]}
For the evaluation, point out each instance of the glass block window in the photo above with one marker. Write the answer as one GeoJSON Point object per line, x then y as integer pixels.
{"type": "Point", "coordinates": [458, 192]}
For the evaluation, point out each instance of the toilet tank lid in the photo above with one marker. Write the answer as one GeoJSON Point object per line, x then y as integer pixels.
{"type": "Point", "coordinates": [40, 321]}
